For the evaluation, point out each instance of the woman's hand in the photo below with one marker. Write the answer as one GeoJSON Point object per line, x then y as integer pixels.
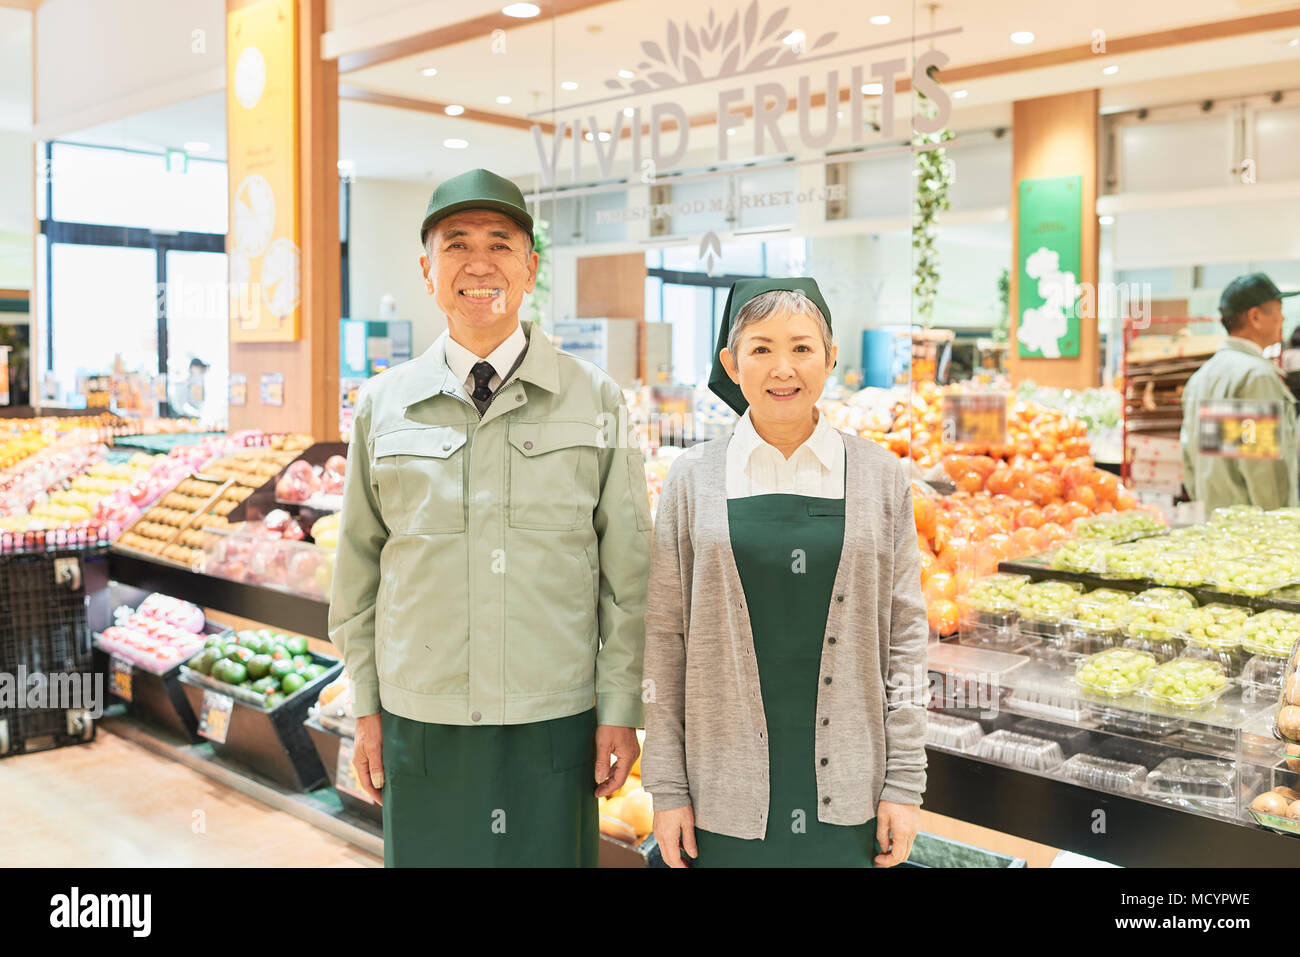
{"type": "Point", "coordinates": [675, 832]}
{"type": "Point", "coordinates": [896, 827]}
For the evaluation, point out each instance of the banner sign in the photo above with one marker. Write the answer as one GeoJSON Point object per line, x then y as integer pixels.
{"type": "Point", "coordinates": [1050, 230]}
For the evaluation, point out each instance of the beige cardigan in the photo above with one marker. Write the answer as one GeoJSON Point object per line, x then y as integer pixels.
{"type": "Point", "coordinates": [706, 734]}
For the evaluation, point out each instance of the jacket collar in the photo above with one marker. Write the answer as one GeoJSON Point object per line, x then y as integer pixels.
{"type": "Point", "coordinates": [1237, 344]}
{"type": "Point", "coordinates": [429, 375]}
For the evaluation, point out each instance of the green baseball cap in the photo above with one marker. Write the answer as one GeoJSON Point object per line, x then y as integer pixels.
{"type": "Point", "coordinates": [742, 291]}
{"type": "Point", "coordinates": [477, 189]}
{"type": "Point", "coordinates": [1246, 292]}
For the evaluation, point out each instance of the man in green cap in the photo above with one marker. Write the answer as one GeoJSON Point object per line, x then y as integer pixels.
{"type": "Point", "coordinates": [1251, 311]}
{"type": "Point", "coordinates": [490, 584]}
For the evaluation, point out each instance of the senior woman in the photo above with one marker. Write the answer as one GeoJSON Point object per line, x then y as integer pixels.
{"type": "Point", "coordinates": [785, 628]}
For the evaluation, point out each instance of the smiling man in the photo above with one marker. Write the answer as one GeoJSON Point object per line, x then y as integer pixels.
{"type": "Point", "coordinates": [491, 573]}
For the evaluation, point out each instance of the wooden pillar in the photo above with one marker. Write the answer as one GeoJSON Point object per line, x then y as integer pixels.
{"type": "Point", "coordinates": [614, 287]}
{"type": "Point", "coordinates": [1057, 136]}
{"type": "Point", "coordinates": [309, 362]}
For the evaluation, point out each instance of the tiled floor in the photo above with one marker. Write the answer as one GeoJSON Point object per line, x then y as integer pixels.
{"type": "Point", "coordinates": [112, 803]}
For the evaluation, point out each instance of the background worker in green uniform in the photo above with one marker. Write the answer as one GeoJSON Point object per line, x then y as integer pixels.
{"type": "Point", "coordinates": [490, 584]}
{"type": "Point", "coordinates": [1251, 311]}
{"type": "Point", "coordinates": [786, 630]}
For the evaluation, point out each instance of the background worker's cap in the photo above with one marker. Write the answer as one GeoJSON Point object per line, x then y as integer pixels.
{"type": "Point", "coordinates": [1246, 292]}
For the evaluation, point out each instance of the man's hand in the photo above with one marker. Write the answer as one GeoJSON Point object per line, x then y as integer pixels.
{"type": "Point", "coordinates": [368, 755]}
{"type": "Point", "coordinates": [675, 832]}
{"type": "Point", "coordinates": [622, 743]}
{"type": "Point", "coordinates": [896, 827]}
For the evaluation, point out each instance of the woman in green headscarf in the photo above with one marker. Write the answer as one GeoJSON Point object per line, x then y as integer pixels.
{"type": "Point", "coordinates": [785, 631]}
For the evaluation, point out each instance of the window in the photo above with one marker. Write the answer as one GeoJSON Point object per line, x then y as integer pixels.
{"type": "Point", "coordinates": [197, 328]}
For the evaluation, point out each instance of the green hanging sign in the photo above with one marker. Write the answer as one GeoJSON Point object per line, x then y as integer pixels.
{"type": "Point", "coordinates": [1050, 231]}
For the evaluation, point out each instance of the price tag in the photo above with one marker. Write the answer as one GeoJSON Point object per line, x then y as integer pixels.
{"type": "Point", "coordinates": [119, 676]}
{"type": "Point", "coordinates": [345, 778]}
{"type": "Point", "coordinates": [237, 389]}
{"type": "Point", "coordinates": [214, 718]}
{"type": "Point", "coordinates": [977, 418]}
{"type": "Point", "coordinates": [273, 388]}
{"type": "Point", "coordinates": [1239, 428]}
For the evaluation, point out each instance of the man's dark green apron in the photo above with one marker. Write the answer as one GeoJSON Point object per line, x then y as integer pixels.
{"type": "Point", "coordinates": [516, 795]}
{"type": "Point", "coordinates": [787, 550]}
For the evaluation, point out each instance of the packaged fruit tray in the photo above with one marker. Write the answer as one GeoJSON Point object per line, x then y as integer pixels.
{"type": "Point", "coordinates": [1254, 576]}
{"type": "Point", "coordinates": [1044, 606]}
{"type": "Point", "coordinates": [1215, 625]}
{"type": "Point", "coordinates": [1114, 673]}
{"type": "Point", "coordinates": [1119, 527]}
{"type": "Point", "coordinates": [262, 668]}
{"type": "Point", "coordinates": [1186, 683]}
{"type": "Point", "coordinates": [1262, 677]}
{"type": "Point", "coordinates": [1272, 632]}
{"type": "Point", "coordinates": [997, 594]}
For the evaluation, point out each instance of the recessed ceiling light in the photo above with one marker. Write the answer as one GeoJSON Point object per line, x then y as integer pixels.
{"type": "Point", "coordinates": [1022, 36]}
{"type": "Point", "coordinates": [604, 136]}
{"type": "Point", "coordinates": [731, 132]}
{"type": "Point", "coordinates": [454, 109]}
{"type": "Point", "coordinates": [429, 71]}
{"type": "Point", "coordinates": [346, 166]}
{"type": "Point", "coordinates": [196, 146]}
{"type": "Point", "coordinates": [1293, 42]}
{"type": "Point", "coordinates": [455, 144]}
{"type": "Point", "coordinates": [839, 114]}
{"type": "Point", "coordinates": [1110, 70]}
{"type": "Point", "coordinates": [568, 85]}
{"type": "Point", "coordinates": [880, 20]}
{"type": "Point", "coordinates": [521, 10]}
{"type": "Point", "coordinates": [629, 111]}
{"type": "Point", "coordinates": [626, 74]}
{"type": "Point", "coordinates": [794, 37]}
{"type": "Point", "coordinates": [503, 100]}
{"type": "Point", "coordinates": [959, 94]}
{"type": "Point", "coordinates": [873, 89]}
{"type": "Point", "coordinates": [1106, 220]}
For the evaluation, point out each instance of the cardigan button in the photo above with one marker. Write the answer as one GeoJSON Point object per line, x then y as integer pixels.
{"type": "Point", "coordinates": [826, 680]}
{"type": "Point", "coordinates": [839, 597]}
{"type": "Point", "coordinates": [825, 721]}
{"type": "Point", "coordinates": [826, 800]}
{"type": "Point", "coordinates": [831, 639]}
{"type": "Point", "coordinates": [825, 761]}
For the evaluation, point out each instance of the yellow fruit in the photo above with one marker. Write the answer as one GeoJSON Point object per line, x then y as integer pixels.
{"type": "Point", "coordinates": [638, 811]}
{"type": "Point", "coordinates": [631, 784]}
{"type": "Point", "coordinates": [613, 807]}
{"type": "Point", "coordinates": [636, 767]}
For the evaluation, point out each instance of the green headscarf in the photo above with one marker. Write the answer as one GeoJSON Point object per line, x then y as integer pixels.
{"type": "Point", "coordinates": [742, 292]}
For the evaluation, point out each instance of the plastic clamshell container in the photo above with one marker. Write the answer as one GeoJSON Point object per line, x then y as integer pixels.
{"type": "Point", "coordinates": [1272, 632]}
{"type": "Point", "coordinates": [995, 631]}
{"type": "Point", "coordinates": [1186, 682]}
{"type": "Point", "coordinates": [1163, 598]}
{"type": "Point", "coordinates": [1022, 750]}
{"type": "Point", "coordinates": [956, 734]}
{"type": "Point", "coordinates": [1138, 723]}
{"type": "Point", "coordinates": [1178, 568]}
{"type": "Point", "coordinates": [1287, 514]}
{"type": "Point", "coordinates": [1286, 720]}
{"type": "Point", "coordinates": [1231, 660]}
{"type": "Point", "coordinates": [1114, 673]}
{"type": "Point", "coordinates": [1193, 778]}
{"type": "Point", "coordinates": [1048, 702]}
{"type": "Point", "coordinates": [1105, 774]}
{"type": "Point", "coordinates": [1262, 676]}
{"type": "Point", "coordinates": [1127, 562]}
{"type": "Point", "coordinates": [1047, 603]}
{"type": "Point", "coordinates": [1081, 556]}
{"type": "Point", "coordinates": [994, 593]}
{"type": "Point", "coordinates": [1228, 514]}
{"type": "Point", "coordinates": [1155, 619]}
{"type": "Point", "coordinates": [1215, 625]}
{"type": "Point", "coordinates": [1098, 622]}
{"type": "Point", "coordinates": [1163, 649]}
{"type": "Point", "coordinates": [1120, 526]}
{"type": "Point", "coordinates": [1255, 576]}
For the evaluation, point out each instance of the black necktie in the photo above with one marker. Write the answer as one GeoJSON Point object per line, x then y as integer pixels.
{"type": "Point", "coordinates": [482, 373]}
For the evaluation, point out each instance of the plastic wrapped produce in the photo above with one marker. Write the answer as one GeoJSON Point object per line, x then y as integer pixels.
{"type": "Point", "coordinates": [1186, 683]}
{"type": "Point", "coordinates": [1117, 672]}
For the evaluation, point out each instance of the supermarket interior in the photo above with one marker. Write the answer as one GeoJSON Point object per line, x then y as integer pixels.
{"type": "Point", "coordinates": [208, 256]}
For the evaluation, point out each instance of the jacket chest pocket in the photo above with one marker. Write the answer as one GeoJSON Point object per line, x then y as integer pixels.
{"type": "Point", "coordinates": [554, 474]}
{"type": "Point", "coordinates": [420, 474]}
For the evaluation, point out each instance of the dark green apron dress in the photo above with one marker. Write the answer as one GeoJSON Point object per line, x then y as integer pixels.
{"type": "Point", "coordinates": [517, 795]}
{"type": "Point", "coordinates": [787, 550]}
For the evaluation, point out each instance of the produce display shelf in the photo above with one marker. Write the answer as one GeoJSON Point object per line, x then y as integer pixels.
{"type": "Point", "coordinates": [1137, 832]}
{"type": "Point", "coordinates": [1041, 571]}
{"type": "Point", "coordinates": [303, 616]}
{"type": "Point", "coordinates": [327, 744]}
{"type": "Point", "coordinates": [163, 443]}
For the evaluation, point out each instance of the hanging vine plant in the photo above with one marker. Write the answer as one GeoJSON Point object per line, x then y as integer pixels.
{"type": "Point", "coordinates": [933, 177]}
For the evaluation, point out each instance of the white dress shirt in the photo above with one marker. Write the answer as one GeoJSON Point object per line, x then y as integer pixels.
{"type": "Point", "coordinates": [756, 468]}
{"type": "Point", "coordinates": [503, 358]}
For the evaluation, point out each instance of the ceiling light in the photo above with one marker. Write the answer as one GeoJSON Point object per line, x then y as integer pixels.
{"type": "Point", "coordinates": [873, 89]}
{"type": "Point", "coordinates": [429, 71]}
{"type": "Point", "coordinates": [629, 111]}
{"type": "Point", "coordinates": [455, 144]}
{"type": "Point", "coordinates": [1022, 37]}
{"type": "Point", "coordinates": [521, 10]}
{"type": "Point", "coordinates": [196, 146]}
{"type": "Point", "coordinates": [959, 94]}
{"type": "Point", "coordinates": [568, 85]}
{"type": "Point", "coordinates": [626, 74]}
{"type": "Point", "coordinates": [880, 19]}
{"type": "Point", "coordinates": [794, 37]}
{"type": "Point", "coordinates": [454, 109]}
{"type": "Point", "coordinates": [1110, 70]}
{"type": "Point", "coordinates": [1106, 220]}
{"type": "Point", "coordinates": [731, 132]}
{"type": "Point", "coordinates": [346, 166]}
{"type": "Point", "coordinates": [1293, 42]}
{"type": "Point", "coordinates": [839, 114]}
{"type": "Point", "coordinates": [503, 100]}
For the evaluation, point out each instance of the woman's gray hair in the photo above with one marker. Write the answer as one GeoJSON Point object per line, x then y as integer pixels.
{"type": "Point", "coordinates": [778, 302]}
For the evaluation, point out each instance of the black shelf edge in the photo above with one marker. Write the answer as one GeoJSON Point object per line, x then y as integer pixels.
{"type": "Point", "coordinates": [1107, 827]}
{"type": "Point", "coordinates": [306, 616]}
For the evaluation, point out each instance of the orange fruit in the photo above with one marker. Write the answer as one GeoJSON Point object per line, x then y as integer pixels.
{"type": "Point", "coordinates": [971, 481]}
{"type": "Point", "coordinates": [1024, 540]}
{"type": "Point", "coordinates": [1031, 516]}
{"type": "Point", "coordinates": [1107, 486]}
{"type": "Point", "coordinates": [923, 515]}
{"type": "Point", "coordinates": [1054, 512]}
{"type": "Point", "coordinates": [1086, 496]}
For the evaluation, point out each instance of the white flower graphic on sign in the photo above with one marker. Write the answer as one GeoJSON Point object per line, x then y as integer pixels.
{"type": "Point", "coordinates": [253, 215]}
{"type": "Point", "coordinates": [1042, 328]}
{"type": "Point", "coordinates": [280, 278]}
{"type": "Point", "coordinates": [250, 77]}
